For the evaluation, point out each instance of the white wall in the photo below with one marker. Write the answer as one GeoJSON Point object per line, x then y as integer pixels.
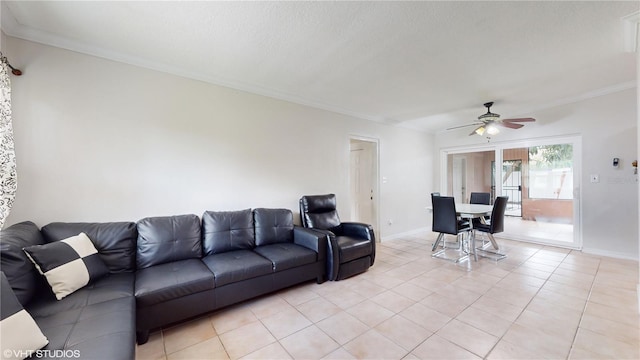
{"type": "Point", "coordinates": [608, 127]}
{"type": "Point", "coordinates": [98, 140]}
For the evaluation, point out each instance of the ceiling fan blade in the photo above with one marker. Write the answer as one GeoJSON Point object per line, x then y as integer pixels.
{"type": "Point", "coordinates": [461, 126]}
{"type": "Point", "coordinates": [520, 120]}
{"type": "Point", "coordinates": [510, 125]}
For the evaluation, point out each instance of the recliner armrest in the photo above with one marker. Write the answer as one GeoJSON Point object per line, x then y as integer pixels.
{"type": "Point", "coordinates": [361, 230]}
{"type": "Point", "coordinates": [311, 239]}
{"type": "Point", "coordinates": [356, 229]}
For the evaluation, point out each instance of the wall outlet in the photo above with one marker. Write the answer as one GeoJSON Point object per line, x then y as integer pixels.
{"type": "Point", "coordinates": [595, 178]}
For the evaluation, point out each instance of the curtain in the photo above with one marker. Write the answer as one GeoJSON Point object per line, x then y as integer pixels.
{"type": "Point", "coordinates": [8, 175]}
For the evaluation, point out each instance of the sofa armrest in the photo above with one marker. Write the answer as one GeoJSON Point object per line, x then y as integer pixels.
{"type": "Point", "coordinates": [311, 239]}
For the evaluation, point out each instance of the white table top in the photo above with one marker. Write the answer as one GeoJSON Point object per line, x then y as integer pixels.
{"type": "Point", "coordinates": [473, 210]}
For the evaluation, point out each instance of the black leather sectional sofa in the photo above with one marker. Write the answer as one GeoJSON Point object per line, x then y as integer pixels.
{"type": "Point", "coordinates": [161, 270]}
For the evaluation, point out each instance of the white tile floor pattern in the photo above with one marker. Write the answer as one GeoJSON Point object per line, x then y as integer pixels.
{"type": "Point", "coordinates": [540, 302]}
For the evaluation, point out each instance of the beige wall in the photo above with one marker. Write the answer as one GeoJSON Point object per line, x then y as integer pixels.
{"type": "Point", "coordinates": [98, 140]}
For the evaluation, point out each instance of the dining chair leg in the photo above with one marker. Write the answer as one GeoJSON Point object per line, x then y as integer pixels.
{"type": "Point", "coordinates": [435, 244]}
{"type": "Point", "coordinates": [492, 254]}
{"type": "Point", "coordinates": [473, 245]}
{"type": "Point", "coordinates": [493, 241]}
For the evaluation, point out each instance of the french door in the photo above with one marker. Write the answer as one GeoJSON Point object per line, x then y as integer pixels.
{"type": "Point", "coordinates": [541, 177]}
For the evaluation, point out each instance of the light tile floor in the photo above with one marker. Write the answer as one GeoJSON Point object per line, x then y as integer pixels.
{"type": "Point", "coordinates": [517, 228]}
{"type": "Point", "coordinates": [540, 302]}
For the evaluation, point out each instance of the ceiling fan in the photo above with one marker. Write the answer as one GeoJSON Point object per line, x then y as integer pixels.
{"type": "Point", "coordinates": [487, 123]}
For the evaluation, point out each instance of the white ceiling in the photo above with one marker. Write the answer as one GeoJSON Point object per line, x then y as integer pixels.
{"type": "Point", "coordinates": [423, 65]}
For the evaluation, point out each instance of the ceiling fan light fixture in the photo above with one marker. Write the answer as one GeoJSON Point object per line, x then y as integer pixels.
{"type": "Point", "coordinates": [480, 130]}
{"type": "Point", "coordinates": [492, 130]}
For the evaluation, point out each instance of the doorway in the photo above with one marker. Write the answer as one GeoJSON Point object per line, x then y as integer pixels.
{"type": "Point", "coordinates": [460, 178]}
{"type": "Point", "coordinates": [512, 185]}
{"type": "Point", "coordinates": [541, 177]}
{"type": "Point", "coordinates": [363, 181]}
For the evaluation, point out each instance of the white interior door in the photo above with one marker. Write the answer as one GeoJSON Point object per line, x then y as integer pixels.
{"type": "Point", "coordinates": [459, 178]}
{"type": "Point", "coordinates": [363, 181]}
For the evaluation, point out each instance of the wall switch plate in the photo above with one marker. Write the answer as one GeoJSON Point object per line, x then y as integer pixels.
{"type": "Point", "coordinates": [595, 178]}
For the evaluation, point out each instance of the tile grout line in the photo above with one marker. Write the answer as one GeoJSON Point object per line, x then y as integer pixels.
{"type": "Point", "coordinates": [584, 308]}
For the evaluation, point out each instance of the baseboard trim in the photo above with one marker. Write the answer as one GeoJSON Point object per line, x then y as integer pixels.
{"type": "Point", "coordinates": [613, 254]}
{"type": "Point", "coordinates": [403, 234]}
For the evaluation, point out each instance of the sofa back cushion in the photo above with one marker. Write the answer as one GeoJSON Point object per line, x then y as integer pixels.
{"type": "Point", "coordinates": [19, 270]}
{"type": "Point", "coordinates": [227, 230]}
{"type": "Point", "coordinates": [273, 226]}
{"type": "Point", "coordinates": [168, 238]}
{"type": "Point", "coordinates": [115, 241]}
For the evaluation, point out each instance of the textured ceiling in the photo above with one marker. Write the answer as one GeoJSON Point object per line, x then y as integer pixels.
{"type": "Point", "coordinates": [424, 65]}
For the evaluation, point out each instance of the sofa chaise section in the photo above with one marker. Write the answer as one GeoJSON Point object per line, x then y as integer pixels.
{"type": "Point", "coordinates": [95, 322]}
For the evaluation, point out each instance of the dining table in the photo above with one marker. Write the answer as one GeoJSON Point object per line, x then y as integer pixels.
{"type": "Point", "coordinates": [473, 211]}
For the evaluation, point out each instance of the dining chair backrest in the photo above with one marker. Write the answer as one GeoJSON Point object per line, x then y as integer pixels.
{"type": "Point", "coordinates": [435, 194]}
{"type": "Point", "coordinates": [483, 198]}
{"type": "Point", "coordinates": [445, 219]}
{"type": "Point", "coordinates": [497, 215]}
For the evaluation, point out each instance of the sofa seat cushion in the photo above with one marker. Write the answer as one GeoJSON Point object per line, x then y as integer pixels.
{"type": "Point", "coordinates": [110, 287]}
{"type": "Point", "coordinates": [104, 330]}
{"type": "Point", "coordinates": [285, 256]}
{"type": "Point", "coordinates": [164, 282]}
{"type": "Point", "coordinates": [353, 248]}
{"type": "Point", "coordinates": [237, 265]}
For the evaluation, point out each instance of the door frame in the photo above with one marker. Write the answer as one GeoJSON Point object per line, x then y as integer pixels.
{"type": "Point", "coordinates": [375, 180]}
{"type": "Point", "coordinates": [499, 146]}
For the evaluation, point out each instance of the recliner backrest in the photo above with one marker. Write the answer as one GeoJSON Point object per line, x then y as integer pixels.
{"type": "Point", "coordinates": [273, 226]}
{"type": "Point", "coordinates": [445, 219]}
{"type": "Point", "coordinates": [227, 231]}
{"type": "Point", "coordinates": [497, 215]}
{"type": "Point", "coordinates": [319, 211]}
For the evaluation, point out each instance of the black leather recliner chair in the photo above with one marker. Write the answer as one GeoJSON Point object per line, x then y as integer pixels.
{"type": "Point", "coordinates": [351, 246]}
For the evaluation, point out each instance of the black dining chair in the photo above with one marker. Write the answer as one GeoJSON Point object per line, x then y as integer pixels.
{"type": "Point", "coordinates": [444, 242]}
{"type": "Point", "coordinates": [494, 226]}
{"type": "Point", "coordinates": [481, 198]}
{"type": "Point", "coordinates": [445, 221]}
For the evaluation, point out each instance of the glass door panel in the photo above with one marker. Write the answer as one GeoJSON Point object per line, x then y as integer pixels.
{"type": "Point", "coordinates": [539, 182]}
{"type": "Point", "coordinates": [541, 179]}
{"type": "Point", "coordinates": [470, 172]}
